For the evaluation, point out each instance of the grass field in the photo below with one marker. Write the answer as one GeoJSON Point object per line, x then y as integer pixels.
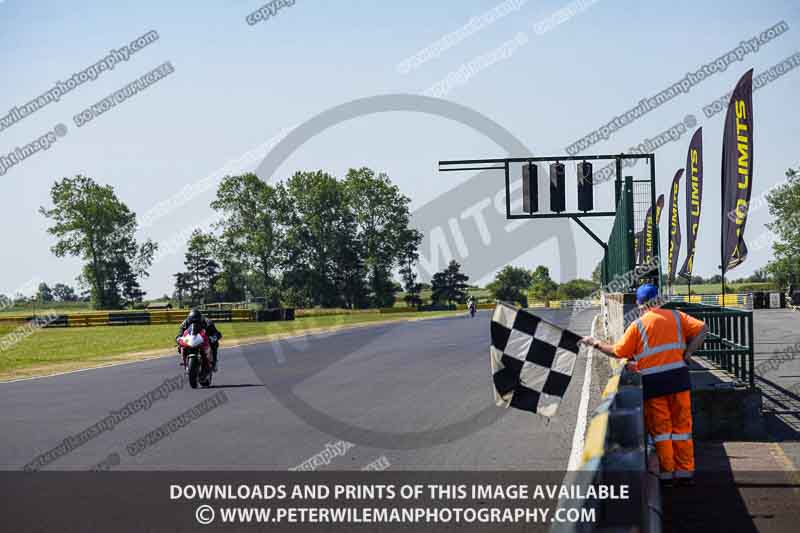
{"type": "Point", "coordinates": [716, 288]}
{"type": "Point", "coordinates": [59, 349]}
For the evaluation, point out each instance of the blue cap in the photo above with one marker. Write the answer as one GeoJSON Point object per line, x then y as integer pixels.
{"type": "Point", "coordinates": [645, 293]}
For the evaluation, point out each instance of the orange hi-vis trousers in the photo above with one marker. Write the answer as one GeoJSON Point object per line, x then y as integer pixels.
{"type": "Point", "coordinates": [669, 422]}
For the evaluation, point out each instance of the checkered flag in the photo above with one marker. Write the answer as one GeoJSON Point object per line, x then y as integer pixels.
{"type": "Point", "coordinates": [532, 360]}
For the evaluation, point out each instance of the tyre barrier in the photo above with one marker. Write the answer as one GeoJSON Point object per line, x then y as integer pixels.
{"type": "Point", "coordinates": [795, 298]}
{"type": "Point", "coordinates": [274, 315]}
{"type": "Point", "coordinates": [616, 452]}
{"type": "Point", "coordinates": [774, 300]}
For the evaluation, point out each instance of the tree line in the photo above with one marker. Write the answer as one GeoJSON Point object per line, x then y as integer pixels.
{"type": "Point", "coordinates": [312, 240]}
{"type": "Point", "coordinates": [515, 284]}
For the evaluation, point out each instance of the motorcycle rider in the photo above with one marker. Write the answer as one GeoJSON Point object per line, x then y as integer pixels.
{"type": "Point", "coordinates": [204, 323]}
{"type": "Point", "coordinates": [471, 305]}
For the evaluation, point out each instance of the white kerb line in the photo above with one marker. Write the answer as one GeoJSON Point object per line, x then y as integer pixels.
{"type": "Point", "coordinates": [576, 454]}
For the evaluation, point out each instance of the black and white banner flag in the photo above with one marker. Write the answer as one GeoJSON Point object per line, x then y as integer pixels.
{"type": "Point", "coordinates": [532, 360]}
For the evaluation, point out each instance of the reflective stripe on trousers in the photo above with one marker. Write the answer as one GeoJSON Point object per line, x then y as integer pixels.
{"type": "Point", "coordinates": [669, 422]}
{"type": "Point", "coordinates": [662, 437]}
{"type": "Point", "coordinates": [672, 436]}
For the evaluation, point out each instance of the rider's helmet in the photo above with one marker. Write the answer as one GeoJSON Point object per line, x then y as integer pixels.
{"type": "Point", "coordinates": [194, 317]}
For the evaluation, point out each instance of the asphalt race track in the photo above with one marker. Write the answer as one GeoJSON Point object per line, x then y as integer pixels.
{"type": "Point", "coordinates": [411, 395]}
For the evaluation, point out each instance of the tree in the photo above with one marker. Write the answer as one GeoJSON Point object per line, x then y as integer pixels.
{"type": "Point", "coordinates": [323, 250]}
{"type": "Point", "coordinates": [542, 287]}
{"type": "Point", "coordinates": [252, 231]}
{"type": "Point", "coordinates": [64, 293]}
{"type": "Point", "coordinates": [350, 274]}
{"type": "Point", "coordinates": [231, 282]}
{"type": "Point", "coordinates": [202, 271]}
{"type": "Point", "coordinates": [382, 214]}
{"type": "Point", "coordinates": [511, 285]}
{"type": "Point", "coordinates": [126, 275]}
{"type": "Point", "coordinates": [90, 222]}
{"type": "Point", "coordinates": [408, 258]}
{"type": "Point", "coordinates": [182, 287]}
{"type": "Point", "coordinates": [784, 206]}
{"type": "Point", "coordinates": [44, 294]}
{"type": "Point", "coordinates": [597, 273]}
{"type": "Point", "coordinates": [759, 276]}
{"type": "Point", "coordinates": [576, 289]}
{"type": "Point", "coordinates": [449, 285]}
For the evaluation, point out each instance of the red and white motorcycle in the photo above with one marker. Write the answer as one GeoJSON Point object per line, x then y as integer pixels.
{"type": "Point", "coordinates": [195, 349]}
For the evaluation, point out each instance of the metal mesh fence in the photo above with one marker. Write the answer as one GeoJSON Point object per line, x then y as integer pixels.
{"type": "Point", "coordinates": [646, 245]}
{"type": "Point", "coordinates": [619, 257]}
{"type": "Point", "coordinates": [641, 202]}
{"type": "Point", "coordinates": [626, 244]}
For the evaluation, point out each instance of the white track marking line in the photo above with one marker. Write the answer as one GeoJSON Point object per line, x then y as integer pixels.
{"type": "Point", "coordinates": [580, 424]}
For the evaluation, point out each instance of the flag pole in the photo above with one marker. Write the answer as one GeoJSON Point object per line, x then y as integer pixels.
{"type": "Point", "coordinates": [722, 261]}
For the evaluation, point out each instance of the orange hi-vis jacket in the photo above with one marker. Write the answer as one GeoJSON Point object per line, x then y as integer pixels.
{"type": "Point", "coordinates": [657, 342]}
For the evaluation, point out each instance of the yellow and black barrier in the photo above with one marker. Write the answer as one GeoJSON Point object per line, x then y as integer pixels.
{"type": "Point", "coordinates": [122, 318]}
{"type": "Point", "coordinates": [742, 299]}
{"type": "Point", "coordinates": [127, 318]}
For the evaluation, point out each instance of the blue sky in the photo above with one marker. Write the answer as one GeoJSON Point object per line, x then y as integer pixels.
{"type": "Point", "coordinates": [236, 86]}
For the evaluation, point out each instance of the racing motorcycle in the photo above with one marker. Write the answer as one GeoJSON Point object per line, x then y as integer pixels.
{"type": "Point", "coordinates": [472, 309]}
{"type": "Point", "coordinates": [195, 348]}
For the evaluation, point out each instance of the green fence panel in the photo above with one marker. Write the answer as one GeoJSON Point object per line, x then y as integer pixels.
{"type": "Point", "coordinates": [619, 256]}
{"type": "Point", "coordinates": [729, 344]}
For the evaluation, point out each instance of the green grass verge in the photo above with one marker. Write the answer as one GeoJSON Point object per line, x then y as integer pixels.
{"type": "Point", "coordinates": [53, 348]}
{"type": "Point", "coordinates": [716, 288]}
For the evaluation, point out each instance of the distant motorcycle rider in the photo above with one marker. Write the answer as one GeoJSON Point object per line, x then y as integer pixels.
{"type": "Point", "coordinates": [204, 323]}
{"type": "Point", "coordinates": [471, 306]}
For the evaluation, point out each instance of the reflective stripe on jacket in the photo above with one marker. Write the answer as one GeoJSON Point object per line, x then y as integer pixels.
{"type": "Point", "coordinates": [660, 354]}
